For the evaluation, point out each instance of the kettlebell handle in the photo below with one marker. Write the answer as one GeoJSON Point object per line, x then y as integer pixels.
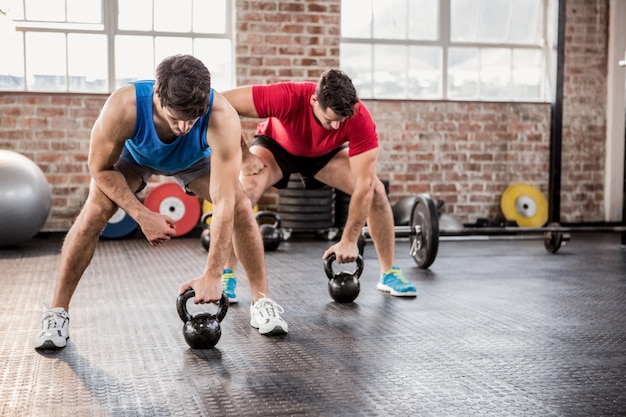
{"type": "Point", "coordinates": [183, 313]}
{"type": "Point", "coordinates": [268, 214]}
{"type": "Point", "coordinates": [328, 267]}
{"type": "Point", "coordinates": [204, 220]}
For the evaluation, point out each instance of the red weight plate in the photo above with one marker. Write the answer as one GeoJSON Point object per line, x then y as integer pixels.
{"type": "Point", "coordinates": [171, 200]}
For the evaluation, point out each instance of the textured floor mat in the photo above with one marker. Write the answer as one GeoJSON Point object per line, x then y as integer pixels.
{"type": "Point", "coordinates": [497, 329]}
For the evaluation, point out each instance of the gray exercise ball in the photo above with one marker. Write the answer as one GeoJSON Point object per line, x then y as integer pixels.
{"type": "Point", "coordinates": [25, 198]}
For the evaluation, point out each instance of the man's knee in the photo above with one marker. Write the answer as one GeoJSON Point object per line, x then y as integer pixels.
{"type": "Point", "coordinates": [243, 206]}
{"type": "Point", "coordinates": [254, 187]}
{"type": "Point", "coordinates": [94, 217]}
{"type": "Point", "coordinates": [97, 210]}
{"type": "Point", "coordinates": [380, 199]}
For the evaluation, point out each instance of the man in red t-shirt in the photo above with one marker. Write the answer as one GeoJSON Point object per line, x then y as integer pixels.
{"type": "Point", "coordinates": [306, 130]}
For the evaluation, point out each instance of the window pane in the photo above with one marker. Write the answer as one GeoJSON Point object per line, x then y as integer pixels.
{"type": "Point", "coordinates": [134, 14]}
{"type": "Point", "coordinates": [70, 47]}
{"type": "Point", "coordinates": [356, 61]}
{"type": "Point", "coordinates": [217, 56]}
{"type": "Point", "coordinates": [87, 62]}
{"type": "Point", "coordinates": [13, 8]}
{"type": "Point", "coordinates": [7, 29]}
{"type": "Point", "coordinates": [425, 72]}
{"type": "Point", "coordinates": [356, 18]}
{"type": "Point", "coordinates": [528, 74]}
{"type": "Point", "coordinates": [45, 10]}
{"type": "Point", "coordinates": [216, 9]}
{"type": "Point", "coordinates": [502, 21]}
{"type": "Point", "coordinates": [42, 72]}
{"type": "Point", "coordinates": [463, 20]}
{"type": "Point", "coordinates": [390, 19]}
{"type": "Point", "coordinates": [172, 15]}
{"type": "Point", "coordinates": [423, 19]}
{"type": "Point", "coordinates": [463, 66]}
{"type": "Point", "coordinates": [84, 11]}
{"type": "Point", "coordinates": [134, 59]}
{"type": "Point", "coordinates": [166, 46]}
{"type": "Point", "coordinates": [12, 64]}
{"type": "Point", "coordinates": [526, 22]}
{"type": "Point", "coordinates": [390, 71]}
{"type": "Point", "coordinates": [495, 73]}
{"type": "Point", "coordinates": [406, 52]}
{"type": "Point", "coordinates": [493, 21]}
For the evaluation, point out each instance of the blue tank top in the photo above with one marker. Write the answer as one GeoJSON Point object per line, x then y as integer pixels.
{"type": "Point", "coordinates": [148, 150]}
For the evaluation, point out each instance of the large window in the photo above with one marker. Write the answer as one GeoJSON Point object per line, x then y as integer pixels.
{"type": "Point", "coordinates": [446, 49]}
{"type": "Point", "coordinates": [99, 45]}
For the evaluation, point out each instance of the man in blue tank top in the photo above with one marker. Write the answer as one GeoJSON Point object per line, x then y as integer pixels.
{"type": "Point", "coordinates": [176, 126]}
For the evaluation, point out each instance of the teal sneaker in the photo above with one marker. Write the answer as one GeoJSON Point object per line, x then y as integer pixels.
{"type": "Point", "coordinates": [394, 282]}
{"type": "Point", "coordinates": [229, 282]}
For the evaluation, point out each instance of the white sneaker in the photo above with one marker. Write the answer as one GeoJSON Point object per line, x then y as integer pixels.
{"type": "Point", "coordinates": [54, 329]}
{"type": "Point", "coordinates": [265, 316]}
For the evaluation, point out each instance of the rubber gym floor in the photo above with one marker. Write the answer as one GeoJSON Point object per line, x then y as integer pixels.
{"type": "Point", "coordinates": [497, 329]}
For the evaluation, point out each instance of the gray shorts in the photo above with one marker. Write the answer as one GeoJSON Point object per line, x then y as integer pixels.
{"type": "Point", "coordinates": [182, 177]}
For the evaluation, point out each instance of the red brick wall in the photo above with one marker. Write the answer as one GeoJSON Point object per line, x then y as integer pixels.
{"type": "Point", "coordinates": [53, 131]}
{"type": "Point", "coordinates": [463, 153]}
{"type": "Point", "coordinates": [584, 110]}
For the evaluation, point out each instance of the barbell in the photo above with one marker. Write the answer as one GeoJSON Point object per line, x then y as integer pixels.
{"type": "Point", "coordinates": [424, 234]}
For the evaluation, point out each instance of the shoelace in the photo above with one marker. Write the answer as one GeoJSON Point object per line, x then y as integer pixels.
{"type": "Point", "coordinates": [226, 279]}
{"type": "Point", "coordinates": [270, 307]}
{"type": "Point", "coordinates": [51, 317]}
{"type": "Point", "coordinates": [398, 274]}
{"type": "Point", "coordinates": [228, 273]}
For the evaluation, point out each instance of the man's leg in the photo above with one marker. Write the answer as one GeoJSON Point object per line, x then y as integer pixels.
{"type": "Point", "coordinates": [264, 312]}
{"type": "Point", "coordinates": [78, 248]}
{"type": "Point", "coordinates": [80, 244]}
{"type": "Point", "coordinates": [379, 222]}
{"type": "Point", "coordinates": [381, 228]}
{"type": "Point", "coordinates": [254, 186]}
{"type": "Point", "coordinates": [77, 252]}
{"type": "Point", "coordinates": [248, 244]}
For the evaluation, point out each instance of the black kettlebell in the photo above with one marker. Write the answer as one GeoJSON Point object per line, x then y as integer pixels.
{"type": "Point", "coordinates": [269, 231]}
{"type": "Point", "coordinates": [343, 286]}
{"type": "Point", "coordinates": [203, 330]}
{"type": "Point", "coordinates": [205, 236]}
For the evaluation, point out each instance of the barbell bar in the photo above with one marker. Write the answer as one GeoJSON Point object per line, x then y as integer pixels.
{"type": "Point", "coordinates": [424, 233]}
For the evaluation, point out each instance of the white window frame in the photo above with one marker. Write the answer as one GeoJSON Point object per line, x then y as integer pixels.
{"type": "Point", "coordinates": [109, 28]}
{"type": "Point", "coordinates": [445, 42]}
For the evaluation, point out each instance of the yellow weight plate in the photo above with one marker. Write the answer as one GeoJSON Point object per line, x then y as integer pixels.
{"type": "Point", "coordinates": [525, 204]}
{"type": "Point", "coordinates": [207, 207]}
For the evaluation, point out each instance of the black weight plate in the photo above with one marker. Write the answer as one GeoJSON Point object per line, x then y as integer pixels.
{"type": "Point", "coordinates": [325, 201]}
{"type": "Point", "coordinates": [295, 181]}
{"type": "Point", "coordinates": [425, 244]}
{"type": "Point", "coordinates": [306, 225]}
{"type": "Point", "coordinates": [302, 210]}
{"type": "Point", "coordinates": [553, 239]}
{"type": "Point", "coordinates": [305, 217]}
{"type": "Point", "coordinates": [306, 194]}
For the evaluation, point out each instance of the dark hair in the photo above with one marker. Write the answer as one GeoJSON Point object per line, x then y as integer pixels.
{"type": "Point", "coordinates": [184, 83]}
{"type": "Point", "coordinates": [336, 91]}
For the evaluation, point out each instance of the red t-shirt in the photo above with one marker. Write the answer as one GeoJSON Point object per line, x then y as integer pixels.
{"type": "Point", "coordinates": [292, 124]}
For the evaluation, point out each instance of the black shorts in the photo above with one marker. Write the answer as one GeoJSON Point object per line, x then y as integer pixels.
{"type": "Point", "coordinates": [307, 167]}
